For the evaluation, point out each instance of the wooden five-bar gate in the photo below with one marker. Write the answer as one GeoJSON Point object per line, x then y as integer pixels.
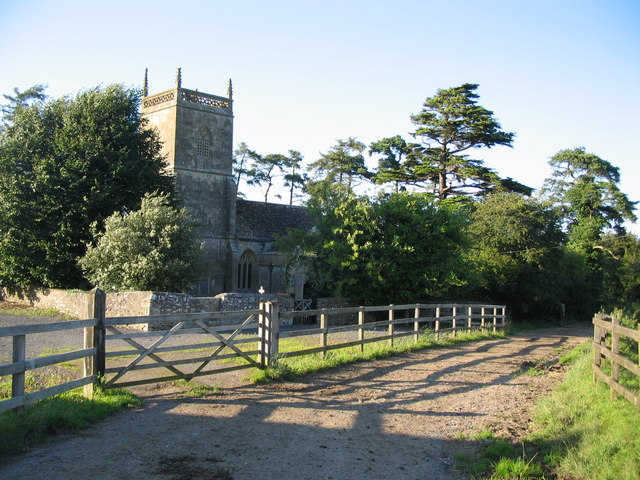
{"type": "Point", "coordinates": [116, 352]}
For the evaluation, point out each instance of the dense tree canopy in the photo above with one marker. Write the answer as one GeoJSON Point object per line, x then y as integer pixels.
{"type": "Point", "coordinates": [65, 164]}
{"type": "Point", "coordinates": [396, 248]}
{"type": "Point", "coordinates": [153, 248]}
{"type": "Point", "coordinates": [516, 246]}
{"type": "Point", "coordinates": [585, 186]}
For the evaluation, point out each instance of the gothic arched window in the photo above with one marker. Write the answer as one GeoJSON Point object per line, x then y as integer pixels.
{"type": "Point", "coordinates": [203, 146]}
{"type": "Point", "coordinates": [246, 271]}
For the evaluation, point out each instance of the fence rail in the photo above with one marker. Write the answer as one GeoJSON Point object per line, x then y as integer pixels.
{"type": "Point", "coordinates": [226, 333]}
{"type": "Point", "coordinates": [20, 365]}
{"type": "Point", "coordinates": [607, 333]}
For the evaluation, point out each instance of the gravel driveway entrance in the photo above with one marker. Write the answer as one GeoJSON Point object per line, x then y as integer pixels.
{"type": "Point", "coordinates": [398, 418]}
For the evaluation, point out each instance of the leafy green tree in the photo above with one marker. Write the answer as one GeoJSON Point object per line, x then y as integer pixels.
{"type": "Point", "coordinates": [517, 248]}
{"type": "Point", "coordinates": [450, 124]}
{"type": "Point", "coordinates": [343, 164]}
{"type": "Point", "coordinates": [153, 248]}
{"type": "Point", "coordinates": [398, 248]}
{"type": "Point", "coordinates": [585, 186]}
{"type": "Point", "coordinates": [621, 270]}
{"type": "Point", "coordinates": [243, 156]}
{"type": "Point", "coordinates": [392, 164]}
{"type": "Point", "coordinates": [294, 180]}
{"type": "Point", "coordinates": [34, 94]}
{"type": "Point", "coordinates": [264, 170]}
{"type": "Point", "coordinates": [65, 164]}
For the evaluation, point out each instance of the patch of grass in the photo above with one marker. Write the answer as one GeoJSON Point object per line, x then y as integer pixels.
{"type": "Point", "coordinates": [289, 367]}
{"type": "Point", "coordinates": [195, 389]}
{"type": "Point", "coordinates": [517, 469]}
{"type": "Point", "coordinates": [576, 353]}
{"type": "Point", "coordinates": [68, 412]}
{"type": "Point", "coordinates": [36, 312]}
{"type": "Point", "coordinates": [494, 451]}
{"type": "Point", "coordinates": [38, 379]}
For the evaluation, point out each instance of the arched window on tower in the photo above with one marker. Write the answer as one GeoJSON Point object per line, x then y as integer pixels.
{"type": "Point", "coordinates": [203, 148]}
{"type": "Point", "coordinates": [246, 271]}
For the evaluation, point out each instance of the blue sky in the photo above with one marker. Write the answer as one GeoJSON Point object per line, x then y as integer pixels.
{"type": "Point", "coordinates": [559, 74]}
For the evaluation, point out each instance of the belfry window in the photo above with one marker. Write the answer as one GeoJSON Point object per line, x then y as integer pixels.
{"type": "Point", "coordinates": [203, 146]}
{"type": "Point", "coordinates": [246, 271]}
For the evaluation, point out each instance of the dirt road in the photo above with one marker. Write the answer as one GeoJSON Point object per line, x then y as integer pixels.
{"type": "Point", "coordinates": [399, 418]}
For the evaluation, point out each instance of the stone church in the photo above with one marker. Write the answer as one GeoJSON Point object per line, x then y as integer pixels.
{"type": "Point", "coordinates": [238, 235]}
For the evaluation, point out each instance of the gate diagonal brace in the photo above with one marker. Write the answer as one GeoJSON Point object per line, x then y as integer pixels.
{"type": "Point", "coordinates": [149, 353]}
{"type": "Point", "coordinates": [226, 342]}
{"type": "Point", "coordinates": [153, 356]}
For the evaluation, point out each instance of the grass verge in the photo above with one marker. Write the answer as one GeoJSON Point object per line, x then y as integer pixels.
{"type": "Point", "coordinates": [68, 412]}
{"type": "Point", "coordinates": [291, 367]}
{"type": "Point", "coordinates": [580, 433]}
{"type": "Point", "coordinates": [33, 312]}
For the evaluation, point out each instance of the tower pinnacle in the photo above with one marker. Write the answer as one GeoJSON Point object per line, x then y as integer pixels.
{"type": "Point", "coordinates": [145, 86]}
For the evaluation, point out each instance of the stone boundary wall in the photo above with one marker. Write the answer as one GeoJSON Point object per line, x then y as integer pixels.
{"type": "Point", "coordinates": [70, 302]}
{"type": "Point", "coordinates": [140, 304]}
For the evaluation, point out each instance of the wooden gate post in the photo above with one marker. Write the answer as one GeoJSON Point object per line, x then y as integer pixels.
{"type": "Point", "coordinates": [95, 337]}
{"type": "Point", "coordinates": [19, 356]}
{"type": "Point", "coordinates": [268, 332]}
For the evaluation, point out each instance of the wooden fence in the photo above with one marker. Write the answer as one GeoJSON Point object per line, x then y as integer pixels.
{"type": "Point", "coordinates": [223, 332]}
{"type": "Point", "coordinates": [607, 333]}
{"type": "Point", "coordinates": [399, 321]}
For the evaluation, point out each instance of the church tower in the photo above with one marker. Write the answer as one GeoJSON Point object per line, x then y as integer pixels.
{"type": "Point", "coordinates": [197, 134]}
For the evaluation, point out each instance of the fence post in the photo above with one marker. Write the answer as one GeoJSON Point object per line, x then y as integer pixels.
{"type": "Point", "coordinates": [97, 307]}
{"type": "Point", "coordinates": [597, 342]}
{"type": "Point", "coordinates": [262, 333]}
{"type": "Point", "coordinates": [391, 318]}
{"type": "Point", "coordinates": [454, 322]}
{"type": "Point", "coordinates": [437, 322]}
{"type": "Point", "coordinates": [274, 331]}
{"type": "Point", "coordinates": [361, 328]}
{"type": "Point", "coordinates": [88, 369]}
{"type": "Point", "coordinates": [470, 321]}
{"type": "Point", "coordinates": [416, 323]}
{"type": "Point", "coordinates": [482, 321]}
{"type": "Point", "coordinates": [323, 333]}
{"type": "Point", "coordinates": [19, 356]}
{"type": "Point", "coordinates": [268, 332]}
{"type": "Point", "coordinates": [615, 348]}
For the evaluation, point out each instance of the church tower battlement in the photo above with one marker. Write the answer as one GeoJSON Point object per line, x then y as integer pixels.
{"type": "Point", "coordinates": [197, 133]}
